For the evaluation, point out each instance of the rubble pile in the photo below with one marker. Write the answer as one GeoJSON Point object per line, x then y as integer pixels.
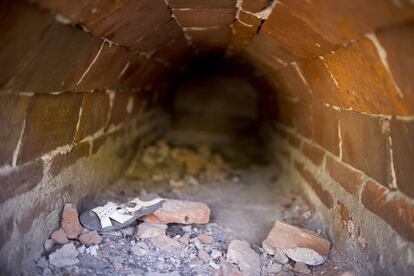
{"type": "Point", "coordinates": [178, 239]}
{"type": "Point", "coordinates": [183, 237]}
{"type": "Point", "coordinates": [160, 162]}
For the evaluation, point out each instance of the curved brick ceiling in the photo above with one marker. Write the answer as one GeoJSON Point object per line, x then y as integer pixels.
{"type": "Point", "coordinates": [343, 53]}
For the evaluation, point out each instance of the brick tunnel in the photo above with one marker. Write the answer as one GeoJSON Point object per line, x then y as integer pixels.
{"type": "Point", "coordinates": [323, 88]}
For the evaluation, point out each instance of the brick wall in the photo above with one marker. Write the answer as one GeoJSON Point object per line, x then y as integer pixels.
{"type": "Point", "coordinates": [74, 108]}
{"type": "Point", "coordinates": [344, 130]}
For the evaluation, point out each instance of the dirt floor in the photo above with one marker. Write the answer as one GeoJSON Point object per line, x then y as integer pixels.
{"type": "Point", "coordinates": [244, 206]}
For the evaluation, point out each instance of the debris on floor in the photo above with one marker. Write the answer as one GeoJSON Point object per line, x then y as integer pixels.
{"type": "Point", "coordinates": [162, 162]}
{"type": "Point", "coordinates": [298, 244]}
{"type": "Point", "coordinates": [244, 226]}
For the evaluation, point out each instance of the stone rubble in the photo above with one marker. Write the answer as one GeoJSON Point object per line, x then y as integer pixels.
{"type": "Point", "coordinates": [180, 211]}
{"type": "Point", "coordinates": [161, 162]}
{"type": "Point", "coordinates": [90, 238]}
{"type": "Point", "coordinates": [179, 238]}
{"type": "Point", "coordinates": [64, 256]}
{"type": "Point", "coordinates": [59, 237]}
{"type": "Point", "coordinates": [240, 253]}
{"type": "Point", "coordinates": [70, 221]}
{"type": "Point", "coordinates": [298, 244]}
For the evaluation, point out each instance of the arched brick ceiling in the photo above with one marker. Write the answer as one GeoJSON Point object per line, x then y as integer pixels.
{"type": "Point", "coordinates": [342, 52]}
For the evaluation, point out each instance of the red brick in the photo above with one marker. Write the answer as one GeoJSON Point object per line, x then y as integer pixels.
{"type": "Point", "coordinates": [303, 117]}
{"type": "Point", "coordinates": [266, 52]}
{"type": "Point", "coordinates": [328, 22]}
{"type": "Point", "coordinates": [62, 161]}
{"type": "Point", "coordinates": [349, 179]}
{"type": "Point", "coordinates": [106, 70]}
{"type": "Point", "coordinates": [94, 115]}
{"type": "Point", "coordinates": [159, 38]}
{"type": "Point", "coordinates": [57, 72]}
{"type": "Point", "coordinates": [51, 122]}
{"type": "Point", "coordinates": [249, 19]}
{"type": "Point", "coordinates": [296, 35]}
{"type": "Point", "coordinates": [129, 21]}
{"type": "Point", "coordinates": [204, 17]}
{"type": "Point", "coordinates": [369, 93]}
{"type": "Point", "coordinates": [394, 210]}
{"type": "Point", "coordinates": [255, 5]}
{"type": "Point", "coordinates": [365, 146]}
{"type": "Point", "coordinates": [324, 195]}
{"type": "Point", "coordinates": [313, 153]}
{"type": "Point", "coordinates": [202, 4]}
{"type": "Point", "coordinates": [398, 42]}
{"type": "Point", "coordinates": [241, 34]}
{"type": "Point", "coordinates": [285, 112]}
{"type": "Point", "coordinates": [24, 224]}
{"type": "Point", "coordinates": [12, 114]}
{"type": "Point", "coordinates": [321, 82]}
{"type": "Point", "coordinates": [20, 180]}
{"type": "Point", "coordinates": [6, 231]}
{"type": "Point", "coordinates": [218, 37]}
{"type": "Point", "coordinates": [21, 27]}
{"type": "Point", "coordinates": [119, 112]}
{"type": "Point", "coordinates": [290, 83]}
{"type": "Point", "coordinates": [325, 128]}
{"type": "Point", "coordinates": [402, 136]}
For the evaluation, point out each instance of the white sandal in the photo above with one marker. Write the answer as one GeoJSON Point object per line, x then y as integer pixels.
{"type": "Point", "coordinates": [113, 216]}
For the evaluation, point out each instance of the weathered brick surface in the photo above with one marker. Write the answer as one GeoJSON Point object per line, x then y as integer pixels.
{"type": "Point", "coordinates": [204, 17]}
{"type": "Point", "coordinates": [398, 42]}
{"type": "Point", "coordinates": [249, 19]}
{"type": "Point", "coordinates": [365, 146]}
{"type": "Point", "coordinates": [349, 179]}
{"type": "Point", "coordinates": [22, 27]}
{"type": "Point", "coordinates": [241, 34]}
{"type": "Point", "coordinates": [218, 37]}
{"type": "Point", "coordinates": [94, 115]}
{"type": "Point", "coordinates": [324, 195]}
{"type": "Point", "coordinates": [159, 38]}
{"type": "Point", "coordinates": [106, 72]}
{"type": "Point", "coordinates": [202, 4]}
{"type": "Point", "coordinates": [314, 153]}
{"type": "Point", "coordinates": [12, 115]}
{"type": "Point", "coordinates": [394, 210]}
{"type": "Point", "coordinates": [255, 5]}
{"type": "Point", "coordinates": [312, 29]}
{"type": "Point", "coordinates": [50, 122]}
{"type": "Point", "coordinates": [119, 109]}
{"type": "Point", "coordinates": [325, 128]}
{"type": "Point", "coordinates": [372, 92]}
{"type": "Point", "coordinates": [402, 136]}
{"type": "Point", "coordinates": [24, 224]}
{"type": "Point", "coordinates": [57, 72]}
{"type": "Point", "coordinates": [20, 180]}
{"type": "Point", "coordinates": [264, 51]}
{"type": "Point", "coordinates": [303, 119]}
{"type": "Point", "coordinates": [62, 161]}
{"type": "Point", "coordinates": [288, 81]}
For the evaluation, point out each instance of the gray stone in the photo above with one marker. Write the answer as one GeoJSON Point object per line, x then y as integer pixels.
{"type": "Point", "coordinates": [48, 244]}
{"type": "Point", "coordinates": [65, 256]}
{"type": "Point", "coordinates": [240, 253]}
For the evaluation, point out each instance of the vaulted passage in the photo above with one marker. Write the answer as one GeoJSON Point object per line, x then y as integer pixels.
{"type": "Point", "coordinates": [322, 91]}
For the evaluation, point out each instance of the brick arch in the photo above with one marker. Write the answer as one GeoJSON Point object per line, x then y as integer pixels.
{"type": "Point", "coordinates": [83, 81]}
